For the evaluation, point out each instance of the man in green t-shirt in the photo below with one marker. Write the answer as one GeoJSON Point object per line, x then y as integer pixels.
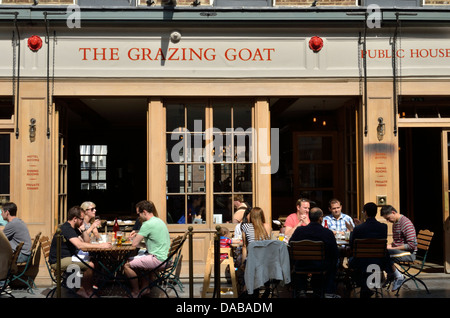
{"type": "Point", "coordinates": [156, 238]}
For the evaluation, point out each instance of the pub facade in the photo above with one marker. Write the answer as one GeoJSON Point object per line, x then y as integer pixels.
{"type": "Point", "coordinates": [191, 106]}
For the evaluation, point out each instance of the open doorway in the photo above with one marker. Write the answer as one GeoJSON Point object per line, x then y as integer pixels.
{"type": "Point", "coordinates": [318, 152]}
{"type": "Point", "coordinates": [107, 154]}
{"type": "Point", "coordinates": [421, 183]}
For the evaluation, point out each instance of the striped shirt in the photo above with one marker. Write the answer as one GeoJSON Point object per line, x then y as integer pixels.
{"type": "Point", "coordinates": [404, 233]}
{"type": "Point", "coordinates": [338, 225]}
{"type": "Point", "coordinates": [249, 231]}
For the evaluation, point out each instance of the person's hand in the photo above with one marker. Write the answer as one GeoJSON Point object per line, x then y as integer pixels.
{"type": "Point", "coordinates": [349, 226]}
{"type": "Point", "coordinates": [132, 234]}
{"type": "Point", "coordinates": [389, 246]}
{"type": "Point", "coordinates": [105, 245]}
{"type": "Point", "coordinates": [97, 223]}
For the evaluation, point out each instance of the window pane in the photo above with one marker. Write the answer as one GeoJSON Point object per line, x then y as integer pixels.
{"type": "Point", "coordinates": [222, 148]}
{"type": "Point", "coordinates": [175, 178]}
{"type": "Point", "coordinates": [222, 208]}
{"type": "Point", "coordinates": [196, 208]}
{"type": "Point", "coordinates": [196, 118]}
{"type": "Point", "coordinates": [4, 180]}
{"type": "Point", "coordinates": [175, 148]}
{"type": "Point", "coordinates": [6, 108]}
{"type": "Point", "coordinates": [243, 177]}
{"type": "Point", "coordinates": [242, 147]}
{"type": "Point", "coordinates": [84, 175]}
{"type": "Point", "coordinates": [196, 178]}
{"type": "Point", "coordinates": [315, 175]}
{"type": "Point", "coordinates": [5, 146]}
{"type": "Point", "coordinates": [195, 148]}
{"type": "Point", "coordinates": [315, 148]}
{"type": "Point", "coordinates": [242, 116]}
{"type": "Point", "coordinates": [222, 177]}
{"type": "Point", "coordinates": [176, 209]}
{"type": "Point", "coordinates": [174, 117]}
{"type": "Point", "coordinates": [222, 117]}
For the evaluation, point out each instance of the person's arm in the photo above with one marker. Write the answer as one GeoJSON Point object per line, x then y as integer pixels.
{"type": "Point", "coordinates": [80, 244]}
{"type": "Point", "coordinates": [137, 240]}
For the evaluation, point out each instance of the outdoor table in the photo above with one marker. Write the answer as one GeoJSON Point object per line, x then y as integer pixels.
{"type": "Point", "coordinates": [108, 264]}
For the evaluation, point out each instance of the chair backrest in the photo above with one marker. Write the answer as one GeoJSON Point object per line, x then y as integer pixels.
{"type": "Point", "coordinates": [34, 247]}
{"type": "Point", "coordinates": [424, 239]}
{"type": "Point", "coordinates": [307, 250]}
{"type": "Point", "coordinates": [45, 246]}
{"type": "Point", "coordinates": [6, 253]}
{"type": "Point", "coordinates": [15, 256]}
{"type": "Point", "coordinates": [369, 248]}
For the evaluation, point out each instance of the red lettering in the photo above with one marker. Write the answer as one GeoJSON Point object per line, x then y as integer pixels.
{"type": "Point", "coordinates": [84, 52]}
{"type": "Point", "coordinates": [171, 58]}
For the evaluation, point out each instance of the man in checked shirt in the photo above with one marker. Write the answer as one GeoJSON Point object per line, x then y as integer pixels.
{"type": "Point", "coordinates": [404, 242]}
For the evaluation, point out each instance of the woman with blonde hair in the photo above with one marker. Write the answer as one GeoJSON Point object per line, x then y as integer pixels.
{"type": "Point", "coordinates": [90, 223]}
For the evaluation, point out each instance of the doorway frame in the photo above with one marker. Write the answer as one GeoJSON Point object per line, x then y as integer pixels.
{"type": "Point", "coordinates": [444, 124]}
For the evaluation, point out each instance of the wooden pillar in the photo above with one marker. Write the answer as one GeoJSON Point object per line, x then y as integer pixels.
{"type": "Point", "coordinates": [156, 155]}
{"type": "Point", "coordinates": [32, 160]}
{"type": "Point", "coordinates": [263, 177]}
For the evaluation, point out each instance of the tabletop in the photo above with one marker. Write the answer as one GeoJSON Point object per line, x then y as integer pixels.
{"type": "Point", "coordinates": [113, 248]}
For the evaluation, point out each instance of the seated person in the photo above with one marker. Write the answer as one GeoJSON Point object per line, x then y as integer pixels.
{"type": "Point", "coordinates": [298, 218]}
{"type": "Point", "coordinates": [371, 228]}
{"type": "Point", "coordinates": [16, 231]}
{"type": "Point", "coordinates": [314, 231]}
{"type": "Point", "coordinates": [156, 237]}
{"type": "Point", "coordinates": [74, 240]}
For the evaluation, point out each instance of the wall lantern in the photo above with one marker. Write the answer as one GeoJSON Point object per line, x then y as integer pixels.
{"type": "Point", "coordinates": [380, 129]}
{"type": "Point", "coordinates": [315, 44]}
{"type": "Point", "coordinates": [32, 129]}
{"type": "Point", "coordinates": [34, 43]}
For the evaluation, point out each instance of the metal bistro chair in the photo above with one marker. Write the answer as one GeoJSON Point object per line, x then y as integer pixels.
{"type": "Point", "coordinates": [162, 277]}
{"type": "Point", "coordinates": [307, 251]}
{"type": "Point", "coordinates": [412, 269]}
{"type": "Point", "coordinates": [8, 263]}
{"type": "Point", "coordinates": [23, 267]}
{"type": "Point", "coordinates": [375, 252]}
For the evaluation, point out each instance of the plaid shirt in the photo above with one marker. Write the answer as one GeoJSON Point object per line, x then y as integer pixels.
{"type": "Point", "coordinates": [338, 225]}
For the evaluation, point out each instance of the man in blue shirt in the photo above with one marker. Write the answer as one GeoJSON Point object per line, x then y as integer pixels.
{"type": "Point", "coordinates": [337, 221]}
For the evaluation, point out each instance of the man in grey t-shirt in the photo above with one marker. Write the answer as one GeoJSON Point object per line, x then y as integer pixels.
{"type": "Point", "coordinates": [16, 231]}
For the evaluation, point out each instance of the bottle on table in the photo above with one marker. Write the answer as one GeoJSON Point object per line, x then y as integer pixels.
{"type": "Point", "coordinates": [115, 228]}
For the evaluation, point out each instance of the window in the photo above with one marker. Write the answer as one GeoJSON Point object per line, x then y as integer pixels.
{"type": "Point", "coordinates": [5, 167]}
{"type": "Point", "coordinates": [93, 167]}
{"type": "Point", "coordinates": [207, 142]}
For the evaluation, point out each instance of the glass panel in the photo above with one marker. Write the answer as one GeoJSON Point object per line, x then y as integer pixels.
{"type": "Point", "coordinates": [196, 178]}
{"type": "Point", "coordinates": [196, 209]}
{"type": "Point", "coordinates": [222, 177]}
{"type": "Point", "coordinates": [84, 175]}
{"type": "Point", "coordinates": [174, 117]}
{"type": "Point", "coordinates": [4, 180]}
{"type": "Point", "coordinates": [102, 175]}
{"type": "Point", "coordinates": [242, 147]}
{"type": "Point", "coordinates": [5, 146]}
{"type": "Point", "coordinates": [176, 208]}
{"type": "Point", "coordinates": [222, 117]}
{"type": "Point", "coordinates": [242, 177]}
{"type": "Point", "coordinates": [315, 148]}
{"type": "Point", "coordinates": [315, 175]}
{"type": "Point", "coordinates": [175, 178]}
{"type": "Point", "coordinates": [222, 208]}
{"type": "Point", "coordinates": [196, 118]}
{"type": "Point", "coordinates": [242, 117]}
{"type": "Point", "coordinates": [175, 148]}
{"type": "Point", "coordinates": [196, 148]}
{"type": "Point", "coordinates": [222, 148]}
{"type": "Point", "coordinates": [6, 108]}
